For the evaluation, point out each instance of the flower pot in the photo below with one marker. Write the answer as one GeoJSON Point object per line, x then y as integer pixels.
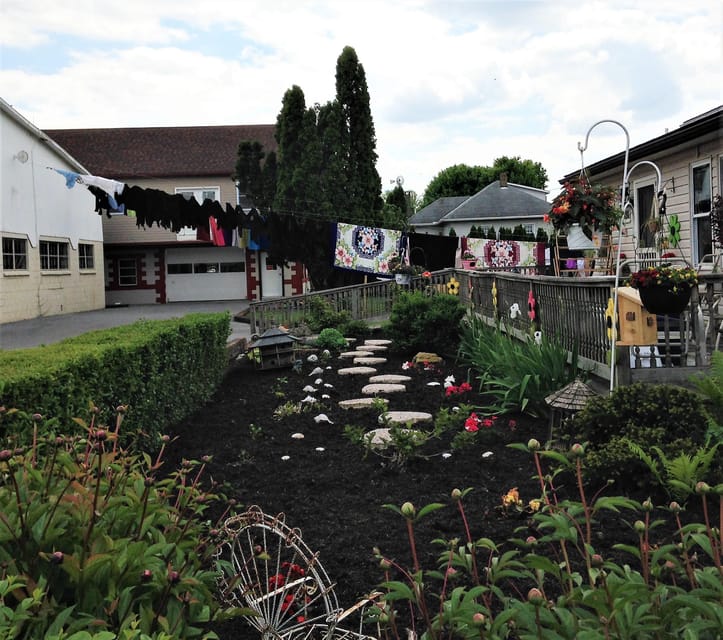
{"type": "Point", "coordinates": [662, 300]}
{"type": "Point", "coordinates": [576, 238]}
{"type": "Point", "coordinates": [402, 278]}
{"type": "Point", "coordinates": [469, 264]}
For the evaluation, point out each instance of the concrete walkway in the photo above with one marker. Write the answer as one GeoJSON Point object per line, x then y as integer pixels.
{"type": "Point", "coordinates": [50, 329]}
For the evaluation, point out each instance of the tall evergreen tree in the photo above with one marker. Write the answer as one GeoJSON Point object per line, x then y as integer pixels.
{"type": "Point", "coordinates": [363, 184]}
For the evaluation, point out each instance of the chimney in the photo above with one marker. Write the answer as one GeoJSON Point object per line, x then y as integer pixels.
{"type": "Point", "coordinates": [503, 180]}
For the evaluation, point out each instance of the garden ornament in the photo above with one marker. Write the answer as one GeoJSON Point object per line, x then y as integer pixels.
{"type": "Point", "coordinates": [514, 310]}
{"type": "Point", "coordinates": [538, 337]}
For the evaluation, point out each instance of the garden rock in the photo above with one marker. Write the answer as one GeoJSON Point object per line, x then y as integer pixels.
{"type": "Point", "coordinates": [374, 389]}
{"type": "Point", "coordinates": [357, 371]}
{"type": "Point", "coordinates": [429, 358]}
{"type": "Point", "coordinates": [405, 417]}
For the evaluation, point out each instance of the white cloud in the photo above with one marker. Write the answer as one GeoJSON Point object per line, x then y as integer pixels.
{"type": "Point", "coordinates": [449, 82]}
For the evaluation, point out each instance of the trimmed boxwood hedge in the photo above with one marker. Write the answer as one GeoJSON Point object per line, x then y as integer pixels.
{"type": "Point", "coordinates": [162, 369]}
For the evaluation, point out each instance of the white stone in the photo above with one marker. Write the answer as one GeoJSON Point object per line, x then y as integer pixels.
{"type": "Point", "coordinates": [322, 417]}
{"type": "Point", "coordinates": [297, 436]}
{"type": "Point", "coordinates": [446, 455]}
{"type": "Point", "coordinates": [309, 389]}
{"type": "Point", "coordinates": [285, 458]}
{"type": "Point", "coordinates": [487, 454]}
{"type": "Point", "coordinates": [316, 372]}
{"type": "Point", "coordinates": [312, 358]}
{"type": "Point", "coordinates": [319, 449]}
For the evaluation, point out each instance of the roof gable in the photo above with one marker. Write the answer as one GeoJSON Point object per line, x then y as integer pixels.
{"type": "Point", "coordinates": [434, 212]}
{"type": "Point", "coordinates": [161, 152]}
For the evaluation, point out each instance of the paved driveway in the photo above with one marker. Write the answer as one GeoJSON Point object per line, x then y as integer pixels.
{"type": "Point", "coordinates": [50, 329]}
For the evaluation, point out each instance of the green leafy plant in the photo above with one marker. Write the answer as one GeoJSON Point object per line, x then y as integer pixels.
{"type": "Point", "coordinates": [679, 475]}
{"type": "Point", "coordinates": [590, 206]}
{"type": "Point", "coordinates": [710, 386]}
{"type": "Point", "coordinates": [553, 583]}
{"type": "Point", "coordinates": [419, 322]}
{"type": "Point", "coordinates": [331, 339]}
{"type": "Point", "coordinates": [669, 417]}
{"type": "Point", "coordinates": [95, 538]}
{"type": "Point", "coordinates": [321, 314]}
{"type": "Point", "coordinates": [513, 374]}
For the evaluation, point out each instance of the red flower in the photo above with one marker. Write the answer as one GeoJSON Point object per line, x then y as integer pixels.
{"type": "Point", "coordinates": [276, 581]}
{"type": "Point", "coordinates": [451, 390]}
{"type": "Point", "coordinates": [488, 423]}
{"type": "Point", "coordinates": [471, 424]}
{"type": "Point", "coordinates": [465, 387]}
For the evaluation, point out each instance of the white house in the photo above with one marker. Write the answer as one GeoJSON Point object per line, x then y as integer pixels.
{"type": "Point", "coordinates": [52, 239]}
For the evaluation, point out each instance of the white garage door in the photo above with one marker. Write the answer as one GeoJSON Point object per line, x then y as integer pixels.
{"type": "Point", "coordinates": [205, 273]}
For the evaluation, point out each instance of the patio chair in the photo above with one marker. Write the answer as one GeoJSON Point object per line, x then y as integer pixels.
{"type": "Point", "coordinates": [267, 569]}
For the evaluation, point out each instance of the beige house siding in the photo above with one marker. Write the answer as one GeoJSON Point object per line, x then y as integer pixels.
{"type": "Point", "coordinates": [676, 166]}
{"type": "Point", "coordinates": [32, 293]}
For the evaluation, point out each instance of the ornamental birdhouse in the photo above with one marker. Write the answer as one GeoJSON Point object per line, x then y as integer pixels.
{"type": "Point", "coordinates": [273, 350]}
{"type": "Point", "coordinates": [636, 325]}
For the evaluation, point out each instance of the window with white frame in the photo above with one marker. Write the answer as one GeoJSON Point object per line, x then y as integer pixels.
{"type": "Point", "coordinates": [53, 255]}
{"type": "Point", "coordinates": [15, 254]}
{"type": "Point", "coordinates": [200, 194]}
{"type": "Point", "coordinates": [700, 202]}
{"type": "Point", "coordinates": [85, 256]}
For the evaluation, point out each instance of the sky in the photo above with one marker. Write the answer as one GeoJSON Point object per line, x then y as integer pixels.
{"type": "Point", "coordinates": [450, 82]}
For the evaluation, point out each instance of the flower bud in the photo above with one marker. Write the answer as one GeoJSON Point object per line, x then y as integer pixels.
{"type": "Point", "coordinates": [385, 564]}
{"type": "Point", "coordinates": [675, 507]}
{"type": "Point", "coordinates": [531, 540]}
{"type": "Point", "coordinates": [596, 560]}
{"type": "Point", "coordinates": [478, 619]}
{"type": "Point", "coordinates": [149, 481]}
{"type": "Point", "coordinates": [639, 526]}
{"type": "Point", "coordinates": [174, 577]}
{"type": "Point", "coordinates": [647, 505]}
{"type": "Point", "coordinates": [121, 408]}
{"type": "Point", "coordinates": [456, 494]}
{"type": "Point", "coordinates": [408, 510]}
{"type": "Point", "coordinates": [5, 454]}
{"type": "Point", "coordinates": [577, 450]}
{"type": "Point", "coordinates": [146, 575]}
{"type": "Point", "coordinates": [165, 438]}
{"type": "Point", "coordinates": [702, 488]}
{"type": "Point", "coordinates": [534, 596]}
{"type": "Point", "coordinates": [57, 557]}
{"type": "Point", "coordinates": [451, 572]}
{"type": "Point", "coordinates": [533, 444]}
{"type": "Point", "coordinates": [37, 417]}
{"type": "Point", "coordinates": [100, 435]}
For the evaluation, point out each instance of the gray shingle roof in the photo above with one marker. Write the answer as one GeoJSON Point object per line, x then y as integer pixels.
{"type": "Point", "coordinates": [161, 152]}
{"type": "Point", "coordinates": [434, 212]}
{"type": "Point", "coordinates": [491, 203]}
{"type": "Point", "coordinates": [496, 202]}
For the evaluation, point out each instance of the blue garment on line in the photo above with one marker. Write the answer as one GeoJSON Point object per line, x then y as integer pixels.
{"type": "Point", "coordinates": [70, 177]}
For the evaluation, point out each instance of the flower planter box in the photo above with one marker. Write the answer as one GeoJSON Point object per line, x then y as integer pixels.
{"type": "Point", "coordinates": [469, 264]}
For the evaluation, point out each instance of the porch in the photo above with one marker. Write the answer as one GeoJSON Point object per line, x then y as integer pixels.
{"type": "Point", "coordinates": [574, 310]}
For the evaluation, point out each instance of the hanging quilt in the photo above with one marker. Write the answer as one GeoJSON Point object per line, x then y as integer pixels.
{"type": "Point", "coordinates": [362, 248]}
{"type": "Point", "coordinates": [506, 253]}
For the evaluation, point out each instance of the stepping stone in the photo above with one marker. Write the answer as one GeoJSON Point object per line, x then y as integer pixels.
{"type": "Point", "coordinates": [362, 403]}
{"type": "Point", "coordinates": [369, 360]}
{"type": "Point", "coordinates": [355, 354]}
{"type": "Point", "coordinates": [373, 389]}
{"type": "Point", "coordinates": [381, 438]}
{"type": "Point", "coordinates": [405, 417]}
{"type": "Point", "coordinates": [390, 378]}
{"type": "Point", "coordinates": [372, 347]}
{"type": "Point", "coordinates": [422, 356]}
{"type": "Point", "coordinates": [379, 342]}
{"type": "Point", "coordinates": [357, 371]}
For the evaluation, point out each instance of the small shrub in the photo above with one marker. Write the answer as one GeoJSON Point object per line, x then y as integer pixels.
{"type": "Point", "coordinates": [663, 416]}
{"type": "Point", "coordinates": [331, 339]}
{"type": "Point", "coordinates": [358, 329]}
{"type": "Point", "coordinates": [320, 314]}
{"type": "Point", "coordinates": [419, 322]}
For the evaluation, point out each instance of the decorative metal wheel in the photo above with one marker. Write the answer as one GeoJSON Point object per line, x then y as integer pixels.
{"type": "Point", "coordinates": [266, 568]}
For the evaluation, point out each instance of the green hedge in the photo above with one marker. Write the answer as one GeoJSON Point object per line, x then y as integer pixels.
{"type": "Point", "coordinates": [162, 369]}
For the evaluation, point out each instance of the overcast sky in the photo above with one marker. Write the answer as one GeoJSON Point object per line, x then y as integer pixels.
{"type": "Point", "coordinates": [450, 82]}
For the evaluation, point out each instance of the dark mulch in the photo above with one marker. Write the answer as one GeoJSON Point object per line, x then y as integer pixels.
{"type": "Point", "coordinates": [335, 496]}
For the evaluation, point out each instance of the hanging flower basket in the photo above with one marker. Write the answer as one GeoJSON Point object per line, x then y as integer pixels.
{"type": "Point", "coordinates": [576, 238]}
{"type": "Point", "coordinates": [664, 290]}
{"type": "Point", "coordinates": [664, 301]}
{"type": "Point", "coordinates": [593, 207]}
